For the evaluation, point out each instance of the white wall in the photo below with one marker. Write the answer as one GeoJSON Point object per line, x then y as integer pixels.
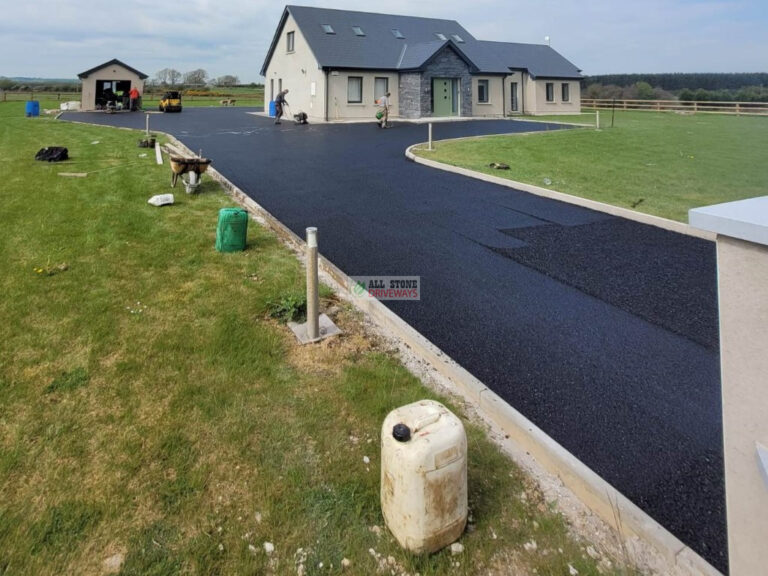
{"type": "Point", "coordinates": [298, 71]}
{"type": "Point", "coordinates": [108, 73]}
{"type": "Point", "coordinates": [340, 109]}
{"type": "Point", "coordinates": [536, 97]}
{"type": "Point", "coordinates": [495, 105]}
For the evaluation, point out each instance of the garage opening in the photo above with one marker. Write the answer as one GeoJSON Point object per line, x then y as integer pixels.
{"type": "Point", "coordinates": [113, 93]}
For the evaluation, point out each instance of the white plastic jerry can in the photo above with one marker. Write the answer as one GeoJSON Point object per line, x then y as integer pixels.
{"type": "Point", "coordinates": [424, 476]}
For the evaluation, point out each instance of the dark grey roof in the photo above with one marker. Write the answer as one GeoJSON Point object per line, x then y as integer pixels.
{"type": "Point", "coordinates": [539, 59]}
{"type": "Point", "coordinates": [110, 63]}
{"type": "Point", "coordinates": [379, 49]}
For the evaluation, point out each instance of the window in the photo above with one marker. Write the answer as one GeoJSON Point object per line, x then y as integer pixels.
{"type": "Point", "coordinates": [355, 89]}
{"type": "Point", "coordinates": [550, 91]}
{"type": "Point", "coordinates": [397, 34]}
{"type": "Point", "coordinates": [327, 28]}
{"type": "Point", "coordinates": [566, 92]}
{"type": "Point", "coordinates": [289, 41]}
{"type": "Point", "coordinates": [440, 36]}
{"type": "Point", "coordinates": [380, 87]}
{"type": "Point", "coordinates": [482, 91]}
{"type": "Point", "coordinates": [358, 31]}
{"type": "Point", "coordinates": [457, 38]}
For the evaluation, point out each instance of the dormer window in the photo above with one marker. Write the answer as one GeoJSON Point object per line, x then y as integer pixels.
{"type": "Point", "coordinates": [358, 31]}
{"type": "Point", "coordinates": [327, 28]}
{"type": "Point", "coordinates": [457, 38]}
{"type": "Point", "coordinates": [397, 34]}
{"type": "Point", "coordinates": [440, 36]}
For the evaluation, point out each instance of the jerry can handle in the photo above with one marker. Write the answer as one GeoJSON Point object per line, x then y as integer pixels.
{"type": "Point", "coordinates": [426, 421]}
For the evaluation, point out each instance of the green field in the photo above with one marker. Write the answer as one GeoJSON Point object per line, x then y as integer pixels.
{"type": "Point", "coordinates": [245, 96]}
{"type": "Point", "coordinates": [659, 163]}
{"type": "Point", "coordinates": [153, 411]}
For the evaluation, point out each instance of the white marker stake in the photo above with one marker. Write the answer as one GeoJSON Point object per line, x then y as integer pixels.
{"type": "Point", "coordinates": [313, 301]}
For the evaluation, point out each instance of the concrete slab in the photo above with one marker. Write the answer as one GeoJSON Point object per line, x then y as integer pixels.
{"type": "Point", "coordinates": [744, 219]}
{"type": "Point", "coordinates": [327, 329]}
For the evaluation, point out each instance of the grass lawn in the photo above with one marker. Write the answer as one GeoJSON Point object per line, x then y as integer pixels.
{"type": "Point", "coordinates": [659, 163]}
{"type": "Point", "coordinates": [149, 408]}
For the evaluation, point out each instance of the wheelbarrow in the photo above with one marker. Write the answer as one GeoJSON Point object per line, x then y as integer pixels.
{"type": "Point", "coordinates": [180, 166]}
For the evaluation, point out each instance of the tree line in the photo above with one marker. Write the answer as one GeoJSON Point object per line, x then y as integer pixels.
{"type": "Point", "coordinates": [746, 87]}
{"type": "Point", "coordinates": [197, 78]}
{"type": "Point", "coordinates": [682, 81]}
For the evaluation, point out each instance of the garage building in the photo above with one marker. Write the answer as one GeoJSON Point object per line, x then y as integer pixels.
{"type": "Point", "coordinates": [99, 84]}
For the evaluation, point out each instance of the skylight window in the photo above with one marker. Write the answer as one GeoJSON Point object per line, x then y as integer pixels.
{"type": "Point", "coordinates": [457, 38]}
{"type": "Point", "coordinates": [358, 31]}
{"type": "Point", "coordinates": [440, 36]}
{"type": "Point", "coordinates": [397, 34]}
{"type": "Point", "coordinates": [327, 28]}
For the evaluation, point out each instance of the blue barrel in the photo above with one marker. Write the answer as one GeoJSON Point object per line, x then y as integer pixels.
{"type": "Point", "coordinates": [33, 108]}
{"type": "Point", "coordinates": [272, 109]}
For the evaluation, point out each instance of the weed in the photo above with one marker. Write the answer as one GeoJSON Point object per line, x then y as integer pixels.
{"type": "Point", "coordinates": [68, 381]}
{"type": "Point", "coordinates": [292, 307]}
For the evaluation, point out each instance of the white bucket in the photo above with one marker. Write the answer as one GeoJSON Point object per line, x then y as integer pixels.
{"type": "Point", "coordinates": [424, 476]}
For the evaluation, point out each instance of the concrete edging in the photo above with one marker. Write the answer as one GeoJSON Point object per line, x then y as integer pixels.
{"type": "Point", "coordinates": [597, 494]}
{"type": "Point", "coordinates": [665, 223]}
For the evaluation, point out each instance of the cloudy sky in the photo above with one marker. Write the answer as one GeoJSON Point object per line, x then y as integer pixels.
{"type": "Point", "coordinates": [59, 39]}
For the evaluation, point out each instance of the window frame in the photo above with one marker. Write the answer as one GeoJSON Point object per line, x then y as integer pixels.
{"type": "Point", "coordinates": [358, 31]}
{"type": "Point", "coordinates": [386, 87]}
{"type": "Point", "coordinates": [565, 91]}
{"type": "Point", "coordinates": [441, 36]}
{"type": "Point", "coordinates": [360, 79]}
{"type": "Point", "coordinates": [485, 84]}
{"type": "Point", "coordinates": [290, 41]}
{"type": "Point", "coordinates": [327, 28]}
{"type": "Point", "coordinates": [458, 39]}
{"type": "Point", "coordinates": [550, 91]}
{"type": "Point", "coordinates": [397, 34]}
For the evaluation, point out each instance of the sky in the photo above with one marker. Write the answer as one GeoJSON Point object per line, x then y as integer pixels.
{"type": "Point", "coordinates": [59, 39]}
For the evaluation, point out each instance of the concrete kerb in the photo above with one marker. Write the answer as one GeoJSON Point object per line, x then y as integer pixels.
{"type": "Point", "coordinates": [664, 223]}
{"type": "Point", "coordinates": [598, 495]}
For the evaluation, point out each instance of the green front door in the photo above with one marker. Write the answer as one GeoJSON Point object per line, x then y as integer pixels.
{"type": "Point", "coordinates": [442, 92]}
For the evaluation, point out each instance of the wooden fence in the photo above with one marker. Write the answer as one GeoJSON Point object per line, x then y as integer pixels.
{"type": "Point", "coordinates": [680, 106]}
{"type": "Point", "coordinates": [20, 95]}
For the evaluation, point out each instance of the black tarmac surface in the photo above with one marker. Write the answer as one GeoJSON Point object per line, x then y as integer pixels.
{"type": "Point", "coordinates": [600, 330]}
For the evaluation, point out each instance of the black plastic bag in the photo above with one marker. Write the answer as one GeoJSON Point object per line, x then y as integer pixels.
{"type": "Point", "coordinates": [52, 154]}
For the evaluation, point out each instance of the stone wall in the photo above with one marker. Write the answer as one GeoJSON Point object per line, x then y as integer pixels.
{"type": "Point", "coordinates": [410, 95]}
{"type": "Point", "coordinates": [416, 87]}
{"type": "Point", "coordinates": [447, 64]}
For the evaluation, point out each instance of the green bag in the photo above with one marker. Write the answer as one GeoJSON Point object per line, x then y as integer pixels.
{"type": "Point", "coordinates": [379, 115]}
{"type": "Point", "coordinates": [232, 230]}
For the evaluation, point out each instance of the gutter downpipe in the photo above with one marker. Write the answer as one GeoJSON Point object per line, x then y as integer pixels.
{"type": "Point", "coordinates": [504, 96]}
{"type": "Point", "coordinates": [326, 94]}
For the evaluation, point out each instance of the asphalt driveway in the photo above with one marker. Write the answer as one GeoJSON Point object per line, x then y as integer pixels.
{"type": "Point", "coordinates": [600, 330]}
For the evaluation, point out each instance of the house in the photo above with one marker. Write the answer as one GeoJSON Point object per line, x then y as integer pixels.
{"type": "Point", "coordinates": [337, 63]}
{"type": "Point", "coordinates": [110, 78]}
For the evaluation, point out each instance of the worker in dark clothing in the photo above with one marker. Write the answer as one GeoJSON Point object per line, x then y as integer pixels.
{"type": "Point", "coordinates": [280, 103]}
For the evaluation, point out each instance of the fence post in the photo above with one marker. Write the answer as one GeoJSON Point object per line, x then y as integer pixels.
{"type": "Point", "coordinates": [313, 324]}
{"type": "Point", "coordinates": [597, 119]}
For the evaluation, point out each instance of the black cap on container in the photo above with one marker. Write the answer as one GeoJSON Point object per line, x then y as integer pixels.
{"type": "Point", "coordinates": [401, 432]}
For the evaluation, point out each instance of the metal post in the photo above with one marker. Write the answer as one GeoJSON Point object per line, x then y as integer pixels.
{"type": "Point", "coordinates": [147, 125]}
{"type": "Point", "coordinates": [430, 136]}
{"type": "Point", "coordinates": [313, 302]}
{"type": "Point", "coordinates": [597, 120]}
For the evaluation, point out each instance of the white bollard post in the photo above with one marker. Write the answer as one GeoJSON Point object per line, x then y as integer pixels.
{"type": "Point", "coordinates": [313, 301]}
{"type": "Point", "coordinates": [147, 125]}
{"type": "Point", "coordinates": [597, 120]}
{"type": "Point", "coordinates": [430, 136]}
